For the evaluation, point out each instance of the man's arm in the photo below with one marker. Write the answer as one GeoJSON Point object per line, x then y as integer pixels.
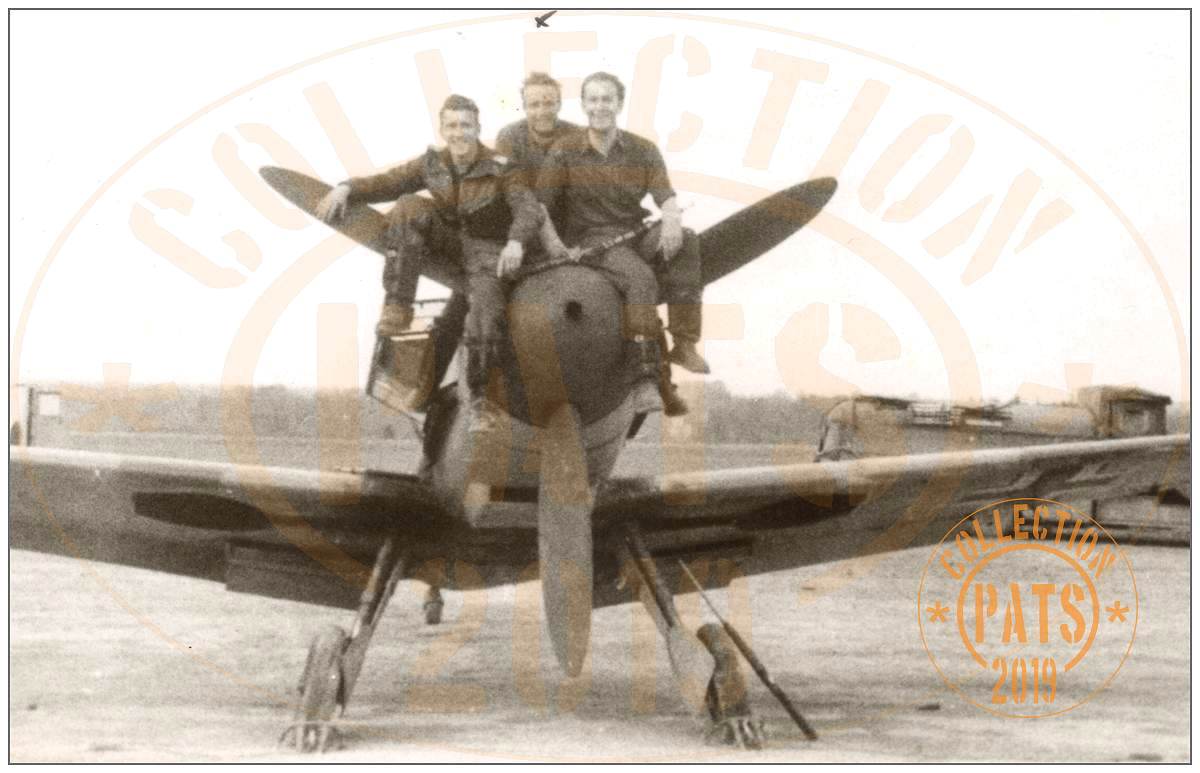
{"type": "Point", "coordinates": [551, 179]}
{"type": "Point", "coordinates": [549, 189]}
{"type": "Point", "coordinates": [526, 219]}
{"type": "Point", "coordinates": [409, 177]}
{"type": "Point", "coordinates": [551, 241]}
{"type": "Point", "coordinates": [659, 186]}
{"type": "Point", "coordinates": [526, 209]}
{"type": "Point", "coordinates": [389, 186]}
{"type": "Point", "coordinates": [671, 211]}
{"type": "Point", "coordinates": [505, 145]}
{"type": "Point", "coordinates": [512, 148]}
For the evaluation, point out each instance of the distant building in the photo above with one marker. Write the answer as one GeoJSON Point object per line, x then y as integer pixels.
{"type": "Point", "coordinates": [35, 416]}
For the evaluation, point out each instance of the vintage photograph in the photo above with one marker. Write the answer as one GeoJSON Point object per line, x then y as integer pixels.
{"type": "Point", "coordinates": [638, 386]}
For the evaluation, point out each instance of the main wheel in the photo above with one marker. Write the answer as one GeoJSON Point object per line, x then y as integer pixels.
{"type": "Point", "coordinates": [320, 690]}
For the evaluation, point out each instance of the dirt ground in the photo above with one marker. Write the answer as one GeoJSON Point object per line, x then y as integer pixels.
{"type": "Point", "coordinates": [109, 664]}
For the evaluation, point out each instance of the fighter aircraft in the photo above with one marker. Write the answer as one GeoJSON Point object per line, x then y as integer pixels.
{"type": "Point", "coordinates": [540, 489]}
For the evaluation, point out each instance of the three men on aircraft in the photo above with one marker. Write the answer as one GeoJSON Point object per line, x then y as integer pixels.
{"type": "Point", "coordinates": [471, 186]}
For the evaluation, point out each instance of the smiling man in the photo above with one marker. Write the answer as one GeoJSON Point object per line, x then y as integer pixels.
{"type": "Point", "coordinates": [592, 184]}
{"type": "Point", "coordinates": [528, 141]}
{"type": "Point", "coordinates": [481, 214]}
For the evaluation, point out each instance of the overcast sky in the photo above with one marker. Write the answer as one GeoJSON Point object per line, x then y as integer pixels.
{"type": "Point", "coordinates": [1059, 236]}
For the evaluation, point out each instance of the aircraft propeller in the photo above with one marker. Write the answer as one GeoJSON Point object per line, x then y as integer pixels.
{"type": "Point", "coordinates": [565, 501]}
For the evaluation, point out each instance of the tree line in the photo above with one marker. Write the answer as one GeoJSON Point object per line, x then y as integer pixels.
{"type": "Point", "coordinates": [717, 416]}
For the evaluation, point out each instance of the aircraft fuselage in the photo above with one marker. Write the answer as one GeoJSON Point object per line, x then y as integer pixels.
{"type": "Point", "coordinates": [566, 348]}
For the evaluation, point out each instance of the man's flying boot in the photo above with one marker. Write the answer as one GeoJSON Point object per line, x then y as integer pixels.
{"type": "Point", "coordinates": [645, 363]}
{"type": "Point", "coordinates": [446, 332]}
{"type": "Point", "coordinates": [673, 404]}
{"type": "Point", "coordinates": [398, 291]}
{"type": "Point", "coordinates": [483, 418]}
{"type": "Point", "coordinates": [685, 320]}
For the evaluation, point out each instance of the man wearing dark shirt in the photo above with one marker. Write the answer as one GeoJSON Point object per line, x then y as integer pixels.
{"type": "Point", "coordinates": [592, 185]}
{"type": "Point", "coordinates": [527, 142]}
{"type": "Point", "coordinates": [480, 201]}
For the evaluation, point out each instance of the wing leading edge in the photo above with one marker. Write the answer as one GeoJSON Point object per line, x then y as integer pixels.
{"type": "Point", "coordinates": [301, 534]}
{"type": "Point", "coordinates": [773, 518]}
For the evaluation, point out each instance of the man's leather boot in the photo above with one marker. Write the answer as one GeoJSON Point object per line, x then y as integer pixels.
{"type": "Point", "coordinates": [685, 332]}
{"type": "Point", "coordinates": [685, 355]}
{"type": "Point", "coordinates": [673, 404]}
{"type": "Point", "coordinates": [646, 360]}
{"type": "Point", "coordinates": [483, 418]}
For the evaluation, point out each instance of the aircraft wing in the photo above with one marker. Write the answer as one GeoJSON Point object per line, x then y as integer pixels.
{"type": "Point", "coordinates": [310, 535]}
{"type": "Point", "coordinates": [260, 530]}
{"type": "Point", "coordinates": [773, 518]}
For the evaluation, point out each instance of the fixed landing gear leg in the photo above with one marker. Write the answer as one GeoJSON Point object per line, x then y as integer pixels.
{"type": "Point", "coordinates": [708, 678]}
{"type": "Point", "coordinates": [433, 605]}
{"type": "Point", "coordinates": [335, 659]}
{"type": "Point", "coordinates": [722, 641]}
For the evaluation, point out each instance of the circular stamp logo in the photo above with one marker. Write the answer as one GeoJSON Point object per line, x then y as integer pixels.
{"type": "Point", "coordinates": [1028, 607]}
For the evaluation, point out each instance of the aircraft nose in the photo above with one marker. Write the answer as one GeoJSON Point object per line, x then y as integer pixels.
{"type": "Point", "coordinates": [565, 326]}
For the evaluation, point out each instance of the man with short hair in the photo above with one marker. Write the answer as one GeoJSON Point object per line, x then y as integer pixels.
{"type": "Point", "coordinates": [528, 141]}
{"type": "Point", "coordinates": [479, 201]}
{"type": "Point", "coordinates": [592, 185]}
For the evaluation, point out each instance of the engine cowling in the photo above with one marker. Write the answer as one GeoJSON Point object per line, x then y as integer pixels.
{"type": "Point", "coordinates": [565, 331]}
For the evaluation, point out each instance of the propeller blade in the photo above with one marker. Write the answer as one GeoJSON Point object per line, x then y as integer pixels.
{"type": "Point", "coordinates": [565, 538]}
{"type": "Point", "coordinates": [361, 222]}
{"type": "Point", "coordinates": [300, 189]}
{"type": "Point", "coordinates": [748, 233]}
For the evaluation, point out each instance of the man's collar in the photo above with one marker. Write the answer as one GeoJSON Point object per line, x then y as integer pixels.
{"type": "Point", "coordinates": [484, 158]}
{"type": "Point", "coordinates": [443, 155]}
{"type": "Point", "coordinates": [550, 138]}
{"type": "Point", "coordinates": [618, 141]}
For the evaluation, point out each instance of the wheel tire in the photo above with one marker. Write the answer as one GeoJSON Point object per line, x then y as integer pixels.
{"type": "Point", "coordinates": [321, 684]}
